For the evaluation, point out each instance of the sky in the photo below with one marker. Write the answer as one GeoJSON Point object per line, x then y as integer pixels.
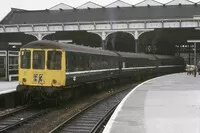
{"type": "Point", "coordinates": [6, 5]}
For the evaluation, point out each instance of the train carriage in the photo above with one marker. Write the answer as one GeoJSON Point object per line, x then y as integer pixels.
{"type": "Point", "coordinates": [50, 65]}
{"type": "Point", "coordinates": [137, 64]}
{"type": "Point", "coordinates": [169, 64]}
{"type": "Point", "coordinates": [88, 64]}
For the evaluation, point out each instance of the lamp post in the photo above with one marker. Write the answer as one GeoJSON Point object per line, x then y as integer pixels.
{"type": "Point", "coordinates": [195, 50]}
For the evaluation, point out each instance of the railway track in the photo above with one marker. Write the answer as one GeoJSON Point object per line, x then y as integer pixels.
{"type": "Point", "coordinates": [92, 118]}
{"type": "Point", "coordinates": [18, 116]}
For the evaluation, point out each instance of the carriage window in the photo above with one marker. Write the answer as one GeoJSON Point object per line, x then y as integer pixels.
{"type": "Point", "coordinates": [25, 59]}
{"type": "Point", "coordinates": [38, 59]}
{"type": "Point", "coordinates": [54, 60]}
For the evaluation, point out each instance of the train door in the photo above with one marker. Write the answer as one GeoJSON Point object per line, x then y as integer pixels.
{"type": "Point", "coordinates": [3, 65]}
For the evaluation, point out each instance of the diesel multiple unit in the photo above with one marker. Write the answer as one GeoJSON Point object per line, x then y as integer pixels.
{"type": "Point", "coordinates": [49, 64]}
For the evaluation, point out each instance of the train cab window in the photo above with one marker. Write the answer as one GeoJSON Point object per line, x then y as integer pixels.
{"type": "Point", "coordinates": [38, 59]}
{"type": "Point", "coordinates": [54, 60]}
{"type": "Point", "coordinates": [25, 59]}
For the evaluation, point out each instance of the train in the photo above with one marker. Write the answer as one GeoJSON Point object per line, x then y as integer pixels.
{"type": "Point", "coordinates": [51, 66]}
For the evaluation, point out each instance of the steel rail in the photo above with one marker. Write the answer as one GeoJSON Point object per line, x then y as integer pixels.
{"type": "Point", "coordinates": [98, 117]}
{"type": "Point", "coordinates": [2, 115]}
{"type": "Point", "coordinates": [19, 116]}
{"type": "Point", "coordinates": [100, 123]}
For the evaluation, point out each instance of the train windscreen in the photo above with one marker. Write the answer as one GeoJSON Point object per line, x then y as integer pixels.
{"type": "Point", "coordinates": [25, 59]}
{"type": "Point", "coordinates": [38, 59]}
{"type": "Point", "coordinates": [54, 60]}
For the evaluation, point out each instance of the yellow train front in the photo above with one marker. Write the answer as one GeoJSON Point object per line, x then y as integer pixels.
{"type": "Point", "coordinates": [41, 65]}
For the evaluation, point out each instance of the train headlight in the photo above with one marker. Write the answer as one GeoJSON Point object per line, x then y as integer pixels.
{"type": "Point", "coordinates": [24, 80]}
{"type": "Point", "coordinates": [54, 81]}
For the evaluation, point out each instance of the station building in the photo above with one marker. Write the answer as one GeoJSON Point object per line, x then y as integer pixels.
{"type": "Point", "coordinates": [148, 27]}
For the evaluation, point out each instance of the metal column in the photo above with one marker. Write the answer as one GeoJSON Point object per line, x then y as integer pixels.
{"type": "Point", "coordinates": [189, 54]}
{"type": "Point", "coordinates": [136, 45]}
{"type": "Point", "coordinates": [195, 54]}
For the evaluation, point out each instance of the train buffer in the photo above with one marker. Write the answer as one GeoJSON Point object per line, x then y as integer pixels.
{"type": "Point", "coordinates": [167, 104]}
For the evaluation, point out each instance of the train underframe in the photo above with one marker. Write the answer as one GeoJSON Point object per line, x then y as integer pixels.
{"type": "Point", "coordinates": [85, 87]}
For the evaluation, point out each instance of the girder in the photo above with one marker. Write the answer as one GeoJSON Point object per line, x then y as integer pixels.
{"type": "Point", "coordinates": [104, 25]}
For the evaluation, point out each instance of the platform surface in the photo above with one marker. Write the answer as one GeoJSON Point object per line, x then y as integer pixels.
{"type": "Point", "coordinates": [167, 104]}
{"type": "Point", "coordinates": [8, 87]}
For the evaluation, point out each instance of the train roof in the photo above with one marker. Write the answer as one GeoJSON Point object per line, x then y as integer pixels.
{"type": "Point", "coordinates": [137, 55]}
{"type": "Point", "coordinates": [149, 56]}
{"type": "Point", "coordinates": [166, 57]}
{"type": "Point", "coordinates": [45, 44]}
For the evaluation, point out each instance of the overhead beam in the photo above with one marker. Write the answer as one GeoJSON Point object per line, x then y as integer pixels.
{"type": "Point", "coordinates": [193, 41]}
{"type": "Point", "coordinates": [102, 25]}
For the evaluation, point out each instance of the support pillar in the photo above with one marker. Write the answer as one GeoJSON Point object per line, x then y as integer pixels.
{"type": "Point", "coordinates": [39, 36]}
{"type": "Point", "coordinates": [195, 54]}
{"type": "Point", "coordinates": [103, 35]}
{"type": "Point", "coordinates": [103, 44]}
{"type": "Point", "coordinates": [136, 45]}
{"type": "Point", "coordinates": [136, 34]}
{"type": "Point", "coordinates": [136, 41]}
{"type": "Point", "coordinates": [189, 55]}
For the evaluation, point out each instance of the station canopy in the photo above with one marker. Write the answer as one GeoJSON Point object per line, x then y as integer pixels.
{"type": "Point", "coordinates": [116, 11]}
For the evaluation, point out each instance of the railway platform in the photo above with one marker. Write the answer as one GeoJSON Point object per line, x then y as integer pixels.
{"type": "Point", "coordinates": [7, 94]}
{"type": "Point", "coordinates": [7, 87]}
{"type": "Point", "coordinates": [166, 104]}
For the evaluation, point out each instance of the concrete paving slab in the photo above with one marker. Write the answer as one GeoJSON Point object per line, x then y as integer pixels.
{"type": "Point", "coordinates": [8, 87]}
{"type": "Point", "coordinates": [167, 104]}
